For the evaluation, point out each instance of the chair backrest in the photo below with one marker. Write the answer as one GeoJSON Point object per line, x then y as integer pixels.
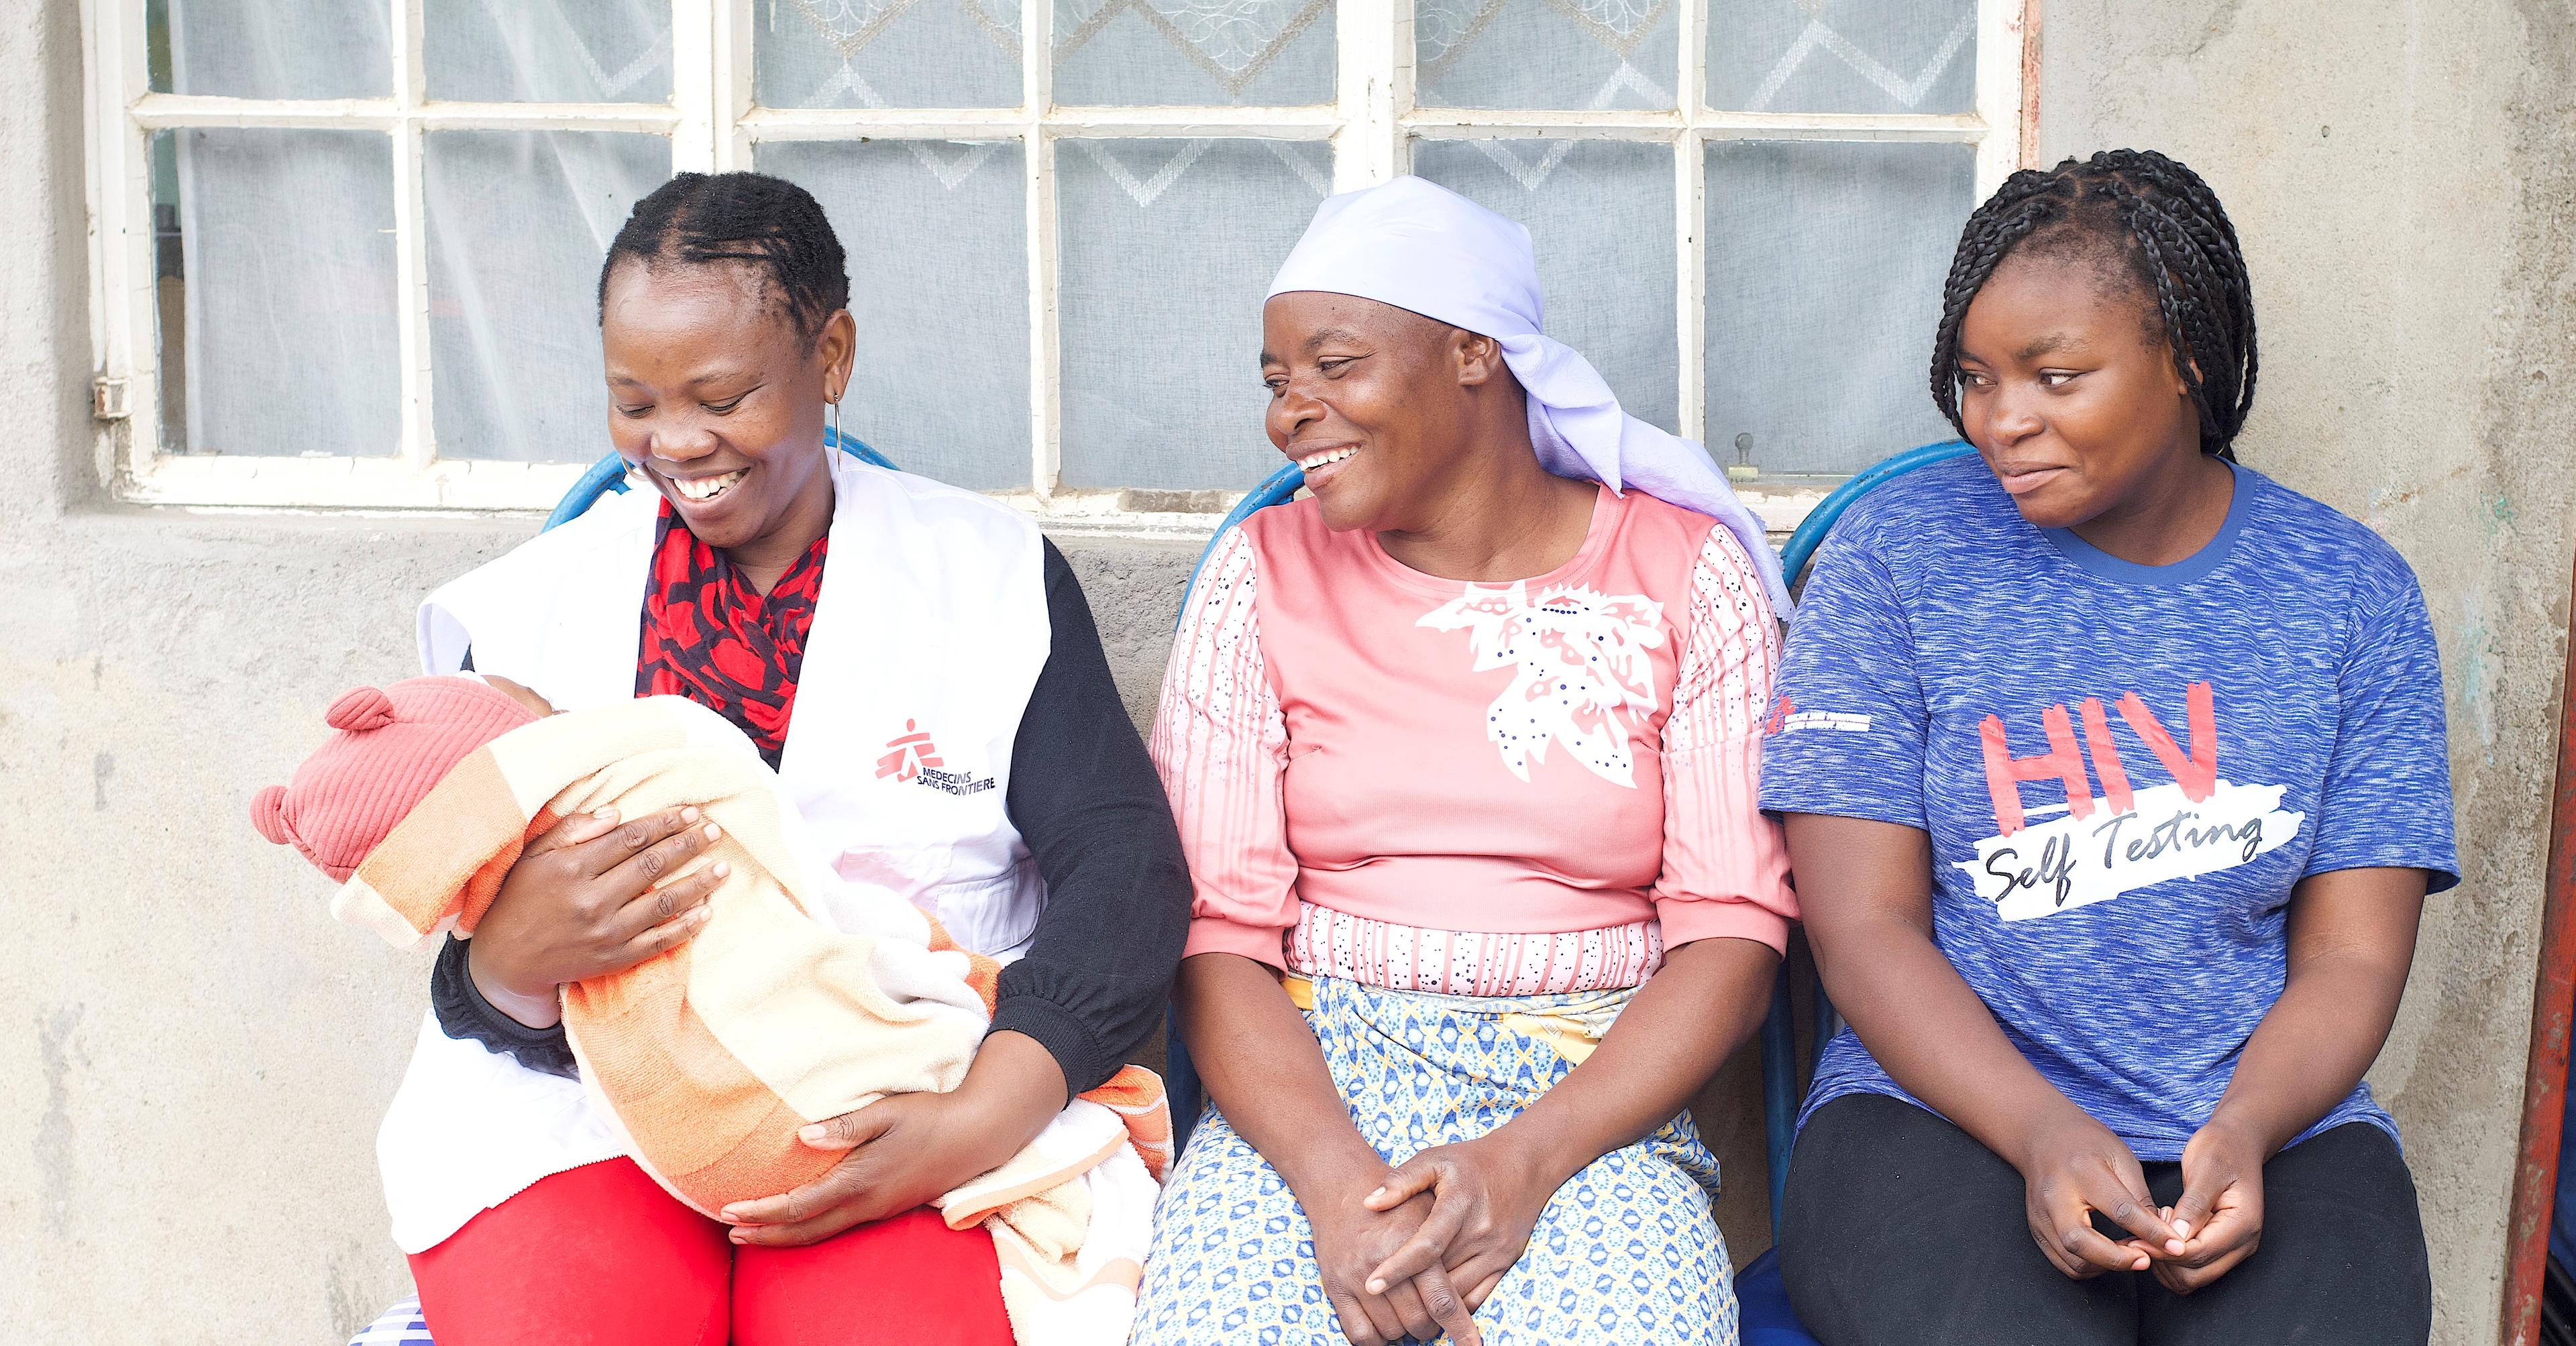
{"type": "Point", "coordinates": [1181, 1088]}
{"type": "Point", "coordinates": [608, 477]}
{"type": "Point", "coordinates": [1276, 489]}
{"type": "Point", "coordinates": [1781, 1066]}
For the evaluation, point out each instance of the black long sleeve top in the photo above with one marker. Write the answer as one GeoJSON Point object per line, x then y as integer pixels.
{"type": "Point", "coordinates": [1085, 798]}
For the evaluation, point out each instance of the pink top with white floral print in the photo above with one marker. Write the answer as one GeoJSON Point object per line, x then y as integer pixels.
{"type": "Point", "coordinates": [1484, 789]}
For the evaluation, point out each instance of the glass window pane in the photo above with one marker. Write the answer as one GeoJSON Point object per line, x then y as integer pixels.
{"type": "Point", "coordinates": [286, 243]}
{"type": "Point", "coordinates": [1842, 55]}
{"type": "Point", "coordinates": [1600, 214]}
{"type": "Point", "coordinates": [273, 48]}
{"type": "Point", "coordinates": [886, 53]}
{"type": "Point", "coordinates": [548, 51]}
{"type": "Point", "coordinates": [1168, 248]}
{"type": "Point", "coordinates": [1825, 266]}
{"type": "Point", "coordinates": [937, 235]}
{"type": "Point", "coordinates": [1546, 53]}
{"type": "Point", "coordinates": [169, 292]}
{"type": "Point", "coordinates": [1257, 52]}
{"type": "Point", "coordinates": [518, 223]}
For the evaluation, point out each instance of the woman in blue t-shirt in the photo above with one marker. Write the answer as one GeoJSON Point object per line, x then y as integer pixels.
{"type": "Point", "coordinates": [2114, 780]}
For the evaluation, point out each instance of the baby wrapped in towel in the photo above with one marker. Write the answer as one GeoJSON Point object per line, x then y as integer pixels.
{"type": "Point", "coordinates": [803, 997]}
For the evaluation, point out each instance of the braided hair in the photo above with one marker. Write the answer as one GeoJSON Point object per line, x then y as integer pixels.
{"type": "Point", "coordinates": [2153, 218]}
{"type": "Point", "coordinates": [768, 222]}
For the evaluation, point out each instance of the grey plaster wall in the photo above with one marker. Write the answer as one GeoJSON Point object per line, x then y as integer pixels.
{"type": "Point", "coordinates": [193, 1057]}
{"type": "Point", "coordinates": [2403, 176]}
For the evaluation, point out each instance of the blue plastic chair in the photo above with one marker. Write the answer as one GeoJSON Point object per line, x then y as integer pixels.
{"type": "Point", "coordinates": [1780, 1065]}
{"type": "Point", "coordinates": [1763, 1315]}
{"type": "Point", "coordinates": [608, 477]}
{"type": "Point", "coordinates": [1181, 1088]}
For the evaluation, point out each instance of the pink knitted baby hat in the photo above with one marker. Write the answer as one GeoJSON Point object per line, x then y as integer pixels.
{"type": "Point", "coordinates": [394, 744]}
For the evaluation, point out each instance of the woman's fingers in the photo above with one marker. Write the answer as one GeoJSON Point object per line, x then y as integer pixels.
{"type": "Point", "coordinates": [576, 830]}
{"type": "Point", "coordinates": [631, 838]}
{"type": "Point", "coordinates": [2230, 1229]}
{"type": "Point", "coordinates": [1380, 1317]}
{"type": "Point", "coordinates": [1447, 1308]}
{"type": "Point", "coordinates": [803, 1203]}
{"type": "Point", "coordinates": [657, 940]}
{"type": "Point", "coordinates": [663, 858]}
{"type": "Point", "coordinates": [1411, 1313]}
{"type": "Point", "coordinates": [1422, 1252]}
{"type": "Point", "coordinates": [2191, 1215]}
{"type": "Point", "coordinates": [1480, 1274]}
{"type": "Point", "coordinates": [1356, 1322]}
{"type": "Point", "coordinates": [850, 1130]}
{"type": "Point", "coordinates": [1411, 1178]}
{"type": "Point", "coordinates": [2231, 1240]}
{"type": "Point", "coordinates": [2121, 1196]}
{"type": "Point", "coordinates": [2065, 1231]}
{"type": "Point", "coordinates": [837, 1193]}
{"type": "Point", "coordinates": [660, 906]}
{"type": "Point", "coordinates": [2208, 1190]}
{"type": "Point", "coordinates": [813, 1229]}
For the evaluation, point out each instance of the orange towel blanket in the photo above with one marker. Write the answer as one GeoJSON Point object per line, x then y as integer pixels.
{"type": "Point", "coordinates": [803, 997]}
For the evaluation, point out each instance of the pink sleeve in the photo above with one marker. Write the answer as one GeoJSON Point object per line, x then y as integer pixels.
{"type": "Point", "coordinates": [1726, 867]}
{"type": "Point", "coordinates": [1221, 745]}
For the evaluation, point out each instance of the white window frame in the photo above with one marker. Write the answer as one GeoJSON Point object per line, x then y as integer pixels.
{"type": "Point", "coordinates": [714, 126]}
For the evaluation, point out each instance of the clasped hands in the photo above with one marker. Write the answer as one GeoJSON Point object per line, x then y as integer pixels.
{"type": "Point", "coordinates": [2074, 1168]}
{"type": "Point", "coordinates": [1415, 1249]}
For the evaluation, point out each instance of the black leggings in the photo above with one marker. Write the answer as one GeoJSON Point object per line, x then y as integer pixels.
{"type": "Point", "coordinates": [1901, 1230]}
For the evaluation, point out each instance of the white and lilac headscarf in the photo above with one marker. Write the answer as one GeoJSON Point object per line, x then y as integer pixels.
{"type": "Point", "coordinates": [1429, 250]}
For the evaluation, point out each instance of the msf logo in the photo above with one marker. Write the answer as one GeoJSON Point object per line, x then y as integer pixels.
{"type": "Point", "coordinates": [910, 752]}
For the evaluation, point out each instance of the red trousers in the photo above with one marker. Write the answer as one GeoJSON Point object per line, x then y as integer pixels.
{"type": "Point", "coordinates": [600, 1254]}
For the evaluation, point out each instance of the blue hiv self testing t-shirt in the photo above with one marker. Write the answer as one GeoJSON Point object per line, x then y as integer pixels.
{"type": "Point", "coordinates": [2123, 769]}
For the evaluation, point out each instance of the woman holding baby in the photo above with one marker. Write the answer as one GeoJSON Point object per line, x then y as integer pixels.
{"type": "Point", "coordinates": [919, 666]}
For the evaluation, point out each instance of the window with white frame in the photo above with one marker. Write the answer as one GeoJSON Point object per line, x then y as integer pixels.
{"type": "Point", "coordinates": [346, 248]}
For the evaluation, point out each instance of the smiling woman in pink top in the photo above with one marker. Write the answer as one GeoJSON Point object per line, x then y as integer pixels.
{"type": "Point", "coordinates": [1464, 753]}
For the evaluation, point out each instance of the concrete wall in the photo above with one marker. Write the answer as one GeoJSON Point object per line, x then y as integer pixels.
{"type": "Point", "coordinates": [195, 1057]}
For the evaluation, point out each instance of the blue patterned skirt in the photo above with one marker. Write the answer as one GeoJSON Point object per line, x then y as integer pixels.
{"type": "Point", "coordinates": [1626, 1252]}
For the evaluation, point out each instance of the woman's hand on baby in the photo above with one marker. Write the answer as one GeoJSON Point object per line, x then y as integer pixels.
{"type": "Point", "coordinates": [907, 1149]}
{"type": "Point", "coordinates": [904, 1150]}
{"type": "Point", "coordinates": [582, 902]}
{"type": "Point", "coordinates": [2073, 1168]}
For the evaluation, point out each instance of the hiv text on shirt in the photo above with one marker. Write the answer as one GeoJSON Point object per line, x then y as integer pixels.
{"type": "Point", "coordinates": [2096, 849]}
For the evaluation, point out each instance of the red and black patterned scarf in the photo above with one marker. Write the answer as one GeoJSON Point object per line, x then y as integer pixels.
{"type": "Point", "coordinates": [711, 637]}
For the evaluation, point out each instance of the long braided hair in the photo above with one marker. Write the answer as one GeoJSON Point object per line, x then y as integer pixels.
{"type": "Point", "coordinates": [741, 217]}
{"type": "Point", "coordinates": [2163, 223]}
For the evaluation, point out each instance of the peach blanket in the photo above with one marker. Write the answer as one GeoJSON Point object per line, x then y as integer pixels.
{"type": "Point", "coordinates": [804, 997]}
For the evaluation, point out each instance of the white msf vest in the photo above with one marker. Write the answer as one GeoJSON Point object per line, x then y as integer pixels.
{"type": "Point", "coordinates": [928, 637]}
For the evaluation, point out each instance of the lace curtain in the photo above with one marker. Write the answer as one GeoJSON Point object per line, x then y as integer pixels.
{"type": "Point", "coordinates": [287, 335]}
{"type": "Point", "coordinates": [281, 312]}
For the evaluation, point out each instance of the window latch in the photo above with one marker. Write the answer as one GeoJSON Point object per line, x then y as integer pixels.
{"type": "Point", "coordinates": [107, 399]}
{"type": "Point", "coordinates": [1743, 468]}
